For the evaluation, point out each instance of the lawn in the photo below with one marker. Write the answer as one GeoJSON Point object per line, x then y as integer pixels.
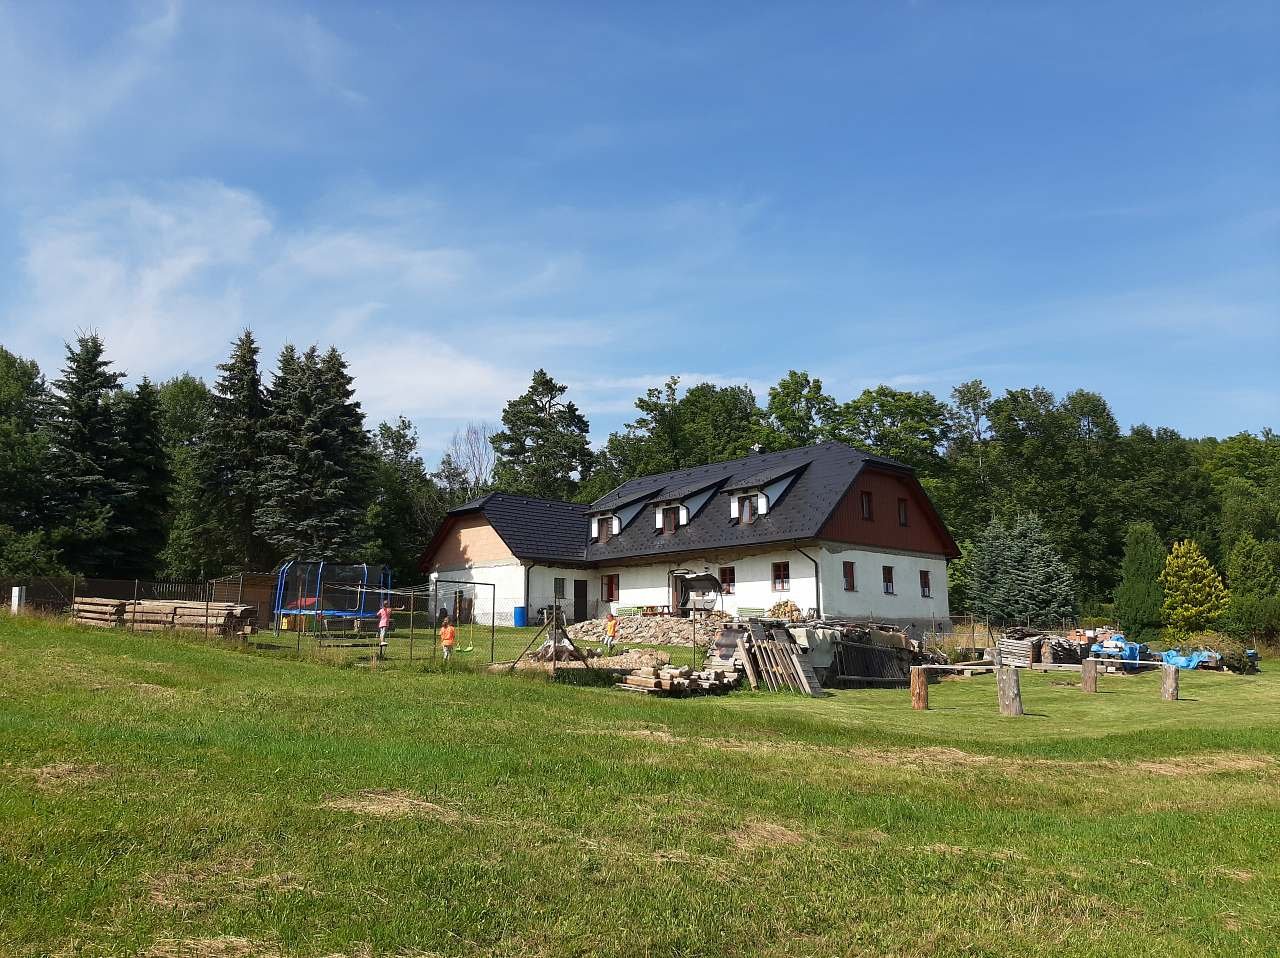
{"type": "Point", "coordinates": [164, 797]}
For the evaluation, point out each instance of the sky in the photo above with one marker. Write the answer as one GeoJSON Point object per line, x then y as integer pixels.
{"type": "Point", "coordinates": [911, 193]}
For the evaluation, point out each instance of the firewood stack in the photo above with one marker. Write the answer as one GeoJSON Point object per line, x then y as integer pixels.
{"type": "Point", "coordinates": [100, 613]}
{"type": "Point", "coordinates": [671, 681]}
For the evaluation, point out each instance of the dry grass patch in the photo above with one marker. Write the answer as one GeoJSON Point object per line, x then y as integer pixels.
{"type": "Point", "coordinates": [391, 804]}
{"type": "Point", "coordinates": [761, 834]}
{"type": "Point", "coordinates": [225, 946]}
{"type": "Point", "coordinates": [60, 775]}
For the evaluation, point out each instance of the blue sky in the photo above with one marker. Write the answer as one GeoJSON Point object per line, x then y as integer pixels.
{"type": "Point", "coordinates": [912, 193]}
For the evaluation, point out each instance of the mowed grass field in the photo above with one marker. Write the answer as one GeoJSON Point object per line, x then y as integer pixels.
{"type": "Point", "coordinates": [161, 797]}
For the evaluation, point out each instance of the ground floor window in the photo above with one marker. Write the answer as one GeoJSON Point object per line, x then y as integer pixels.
{"type": "Point", "coordinates": [781, 576]}
{"type": "Point", "coordinates": [559, 588]}
{"type": "Point", "coordinates": [850, 577]}
{"type": "Point", "coordinates": [888, 580]}
{"type": "Point", "coordinates": [925, 591]}
{"type": "Point", "coordinates": [609, 588]}
{"type": "Point", "coordinates": [728, 579]}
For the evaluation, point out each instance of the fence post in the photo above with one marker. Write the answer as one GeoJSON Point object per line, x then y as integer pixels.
{"type": "Point", "coordinates": [1169, 683]}
{"type": "Point", "coordinates": [240, 591]}
{"type": "Point", "coordinates": [919, 687]}
{"type": "Point", "coordinates": [1008, 691]}
{"type": "Point", "coordinates": [493, 627]}
{"type": "Point", "coordinates": [208, 594]}
{"type": "Point", "coordinates": [19, 599]}
{"type": "Point", "coordinates": [133, 612]}
{"type": "Point", "coordinates": [411, 598]}
{"type": "Point", "coordinates": [73, 596]}
{"type": "Point", "coordinates": [1089, 675]}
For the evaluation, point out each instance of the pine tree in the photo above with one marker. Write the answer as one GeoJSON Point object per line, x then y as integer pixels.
{"type": "Point", "coordinates": [406, 506]}
{"type": "Point", "coordinates": [543, 449]}
{"type": "Point", "coordinates": [85, 481]}
{"type": "Point", "coordinates": [144, 468]}
{"type": "Point", "coordinates": [1194, 596]}
{"type": "Point", "coordinates": [316, 461]}
{"type": "Point", "coordinates": [1140, 597]}
{"type": "Point", "coordinates": [229, 458]}
{"type": "Point", "coordinates": [1017, 575]}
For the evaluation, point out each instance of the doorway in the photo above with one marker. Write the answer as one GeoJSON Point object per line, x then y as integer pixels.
{"type": "Point", "coordinates": [579, 600]}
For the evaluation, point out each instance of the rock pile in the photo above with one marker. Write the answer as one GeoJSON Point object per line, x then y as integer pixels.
{"type": "Point", "coordinates": [650, 630]}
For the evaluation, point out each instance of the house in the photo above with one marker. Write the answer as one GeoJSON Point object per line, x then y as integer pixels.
{"type": "Point", "coordinates": [836, 530]}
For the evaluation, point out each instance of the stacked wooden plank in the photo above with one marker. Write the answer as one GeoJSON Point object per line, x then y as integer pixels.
{"type": "Point", "coordinates": [869, 664]}
{"type": "Point", "coordinates": [774, 661]}
{"type": "Point", "coordinates": [1018, 652]}
{"type": "Point", "coordinates": [101, 613]}
{"type": "Point", "coordinates": [671, 681]}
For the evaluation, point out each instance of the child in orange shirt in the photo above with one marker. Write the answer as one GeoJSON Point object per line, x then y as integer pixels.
{"type": "Point", "coordinates": [447, 637]}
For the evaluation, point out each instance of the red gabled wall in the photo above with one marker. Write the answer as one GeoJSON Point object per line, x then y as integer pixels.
{"type": "Point", "coordinates": [924, 531]}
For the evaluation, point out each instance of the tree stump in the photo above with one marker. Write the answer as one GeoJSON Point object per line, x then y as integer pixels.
{"type": "Point", "coordinates": [1089, 675]}
{"type": "Point", "coordinates": [1169, 683]}
{"type": "Point", "coordinates": [1008, 690]}
{"type": "Point", "coordinates": [919, 687]}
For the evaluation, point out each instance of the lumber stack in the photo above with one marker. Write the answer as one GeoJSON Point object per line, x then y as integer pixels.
{"type": "Point", "coordinates": [1018, 652]}
{"type": "Point", "coordinates": [100, 613]}
{"type": "Point", "coordinates": [671, 681]}
{"type": "Point", "coordinates": [153, 615]}
{"type": "Point", "coordinates": [774, 661]}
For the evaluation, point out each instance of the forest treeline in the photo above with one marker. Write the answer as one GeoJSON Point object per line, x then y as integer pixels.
{"type": "Point", "coordinates": [182, 479]}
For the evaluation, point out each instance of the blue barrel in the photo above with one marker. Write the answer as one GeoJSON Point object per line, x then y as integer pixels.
{"type": "Point", "coordinates": [521, 616]}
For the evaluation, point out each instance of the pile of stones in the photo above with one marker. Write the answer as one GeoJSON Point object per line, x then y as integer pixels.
{"type": "Point", "coordinates": [650, 630]}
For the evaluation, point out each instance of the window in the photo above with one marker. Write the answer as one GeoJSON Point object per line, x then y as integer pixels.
{"type": "Point", "coordinates": [888, 580]}
{"type": "Point", "coordinates": [902, 512]}
{"type": "Point", "coordinates": [781, 576]}
{"type": "Point", "coordinates": [850, 577]}
{"type": "Point", "coordinates": [609, 588]}
{"type": "Point", "coordinates": [604, 528]}
{"type": "Point", "coordinates": [925, 591]}
{"type": "Point", "coordinates": [728, 580]}
{"type": "Point", "coordinates": [559, 588]}
{"type": "Point", "coordinates": [747, 509]}
{"type": "Point", "coordinates": [866, 505]}
{"type": "Point", "coordinates": [670, 520]}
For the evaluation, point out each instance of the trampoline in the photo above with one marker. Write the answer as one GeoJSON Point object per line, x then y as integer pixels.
{"type": "Point", "coordinates": [330, 590]}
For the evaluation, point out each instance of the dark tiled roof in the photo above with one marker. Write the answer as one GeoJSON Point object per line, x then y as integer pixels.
{"type": "Point", "coordinates": [672, 492]}
{"type": "Point", "coordinates": [762, 477]}
{"type": "Point", "coordinates": [628, 493]}
{"type": "Point", "coordinates": [541, 529]}
{"type": "Point", "coordinates": [828, 471]}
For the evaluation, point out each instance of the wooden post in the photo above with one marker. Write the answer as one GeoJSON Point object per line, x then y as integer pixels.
{"type": "Point", "coordinates": [133, 615]}
{"type": "Point", "coordinates": [411, 598]}
{"type": "Point", "coordinates": [1089, 675]}
{"type": "Point", "coordinates": [919, 687]}
{"type": "Point", "coordinates": [1169, 683]}
{"type": "Point", "coordinates": [1008, 691]}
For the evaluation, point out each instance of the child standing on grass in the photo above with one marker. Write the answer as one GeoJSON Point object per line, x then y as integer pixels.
{"type": "Point", "coordinates": [384, 624]}
{"type": "Point", "coordinates": [447, 637]}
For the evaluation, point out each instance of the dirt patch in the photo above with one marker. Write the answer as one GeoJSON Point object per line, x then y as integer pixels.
{"type": "Point", "coordinates": [762, 834]}
{"type": "Point", "coordinates": [226, 946]}
{"type": "Point", "coordinates": [392, 804]}
{"type": "Point", "coordinates": [61, 775]}
{"type": "Point", "coordinates": [201, 884]}
{"type": "Point", "coordinates": [1236, 874]}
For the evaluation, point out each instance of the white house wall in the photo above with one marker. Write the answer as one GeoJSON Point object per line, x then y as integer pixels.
{"type": "Point", "coordinates": [508, 592]}
{"type": "Point", "coordinates": [906, 606]}
{"type": "Point", "coordinates": [641, 585]}
{"type": "Point", "coordinates": [542, 589]}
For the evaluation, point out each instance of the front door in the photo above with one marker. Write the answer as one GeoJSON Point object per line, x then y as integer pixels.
{"type": "Point", "coordinates": [579, 600]}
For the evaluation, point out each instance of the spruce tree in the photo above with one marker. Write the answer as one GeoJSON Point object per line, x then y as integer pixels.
{"type": "Point", "coordinates": [86, 486]}
{"type": "Point", "coordinates": [191, 551]}
{"type": "Point", "coordinates": [229, 459]}
{"type": "Point", "coordinates": [1017, 575]}
{"type": "Point", "coordinates": [543, 449]}
{"type": "Point", "coordinates": [1194, 596]}
{"type": "Point", "coordinates": [144, 468]}
{"type": "Point", "coordinates": [1140, 597]}
{"type": "Point", "coordinates": [316, 462]}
